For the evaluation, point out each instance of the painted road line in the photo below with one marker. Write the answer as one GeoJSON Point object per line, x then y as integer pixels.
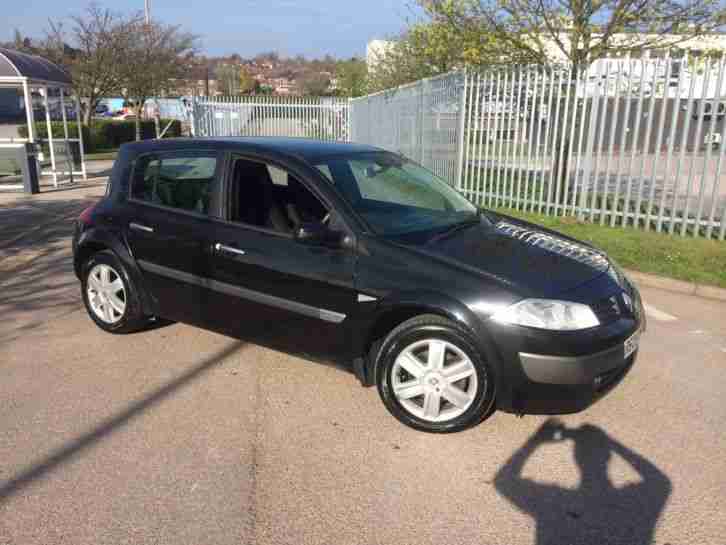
{"type": "Point", "coordinates": [659, 315]}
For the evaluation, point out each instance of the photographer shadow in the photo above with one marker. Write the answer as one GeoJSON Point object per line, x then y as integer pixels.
{"type": "Point", "coordinates": [596, 511]}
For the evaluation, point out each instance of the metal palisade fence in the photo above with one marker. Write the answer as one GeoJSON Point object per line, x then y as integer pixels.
{"type": "Point", "coordinates": [421, 120]}
{"type": "Point", "coordinates": [323, 118]}
{"type": "Point", "coordinates": [628, 142]}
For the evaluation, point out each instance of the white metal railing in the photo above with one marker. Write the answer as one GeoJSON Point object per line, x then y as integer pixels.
{"type": "Point", "coordinates": [324, 118]}
{"type": "Point", "coordinates": [421, 121]}
{"type": "Point", "coordinates": [627, 143]}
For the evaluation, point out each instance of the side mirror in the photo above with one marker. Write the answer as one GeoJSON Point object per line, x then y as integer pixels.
{"type": "Point", "coordinates": [317, 234]}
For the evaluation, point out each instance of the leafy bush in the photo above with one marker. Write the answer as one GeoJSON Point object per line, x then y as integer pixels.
{"type": "Point", "coordinates": [104, 133]}
{"type": "Point", "coordinates": [57, 128]}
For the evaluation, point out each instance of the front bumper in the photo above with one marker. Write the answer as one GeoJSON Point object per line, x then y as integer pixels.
{"type": "Point", "coordinates": [561, 385]}
{"type": "Point", "coordinates": [560, 373]}
{"type": "Point", "coordinates": [572, 370]}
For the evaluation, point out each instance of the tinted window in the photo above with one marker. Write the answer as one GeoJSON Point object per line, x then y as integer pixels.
{"type": "Point", "coordinates": [406, 184]}
{"type": "Point", "coordinates": [396, 196]}
{"type": "Point", "coordinates": [326, 171]}
{"type": "Point", "coordinates": [266, 196]}
{"type": "Point", "coordinates": [177, 181]}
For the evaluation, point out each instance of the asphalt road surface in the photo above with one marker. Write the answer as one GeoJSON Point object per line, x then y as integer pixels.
{"type": "Point", "coordinates": [177, 435]}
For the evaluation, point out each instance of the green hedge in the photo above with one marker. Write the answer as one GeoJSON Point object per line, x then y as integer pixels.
{"type": "Point", "coordinates": [57, 127]}
{"type": "Point", "coordinates": [104, 133]}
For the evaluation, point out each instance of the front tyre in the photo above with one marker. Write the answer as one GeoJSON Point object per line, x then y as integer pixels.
{"type": "Point", "coordinates": [432, 378]}
{"type": "Point", "coordinates": [110, 297]}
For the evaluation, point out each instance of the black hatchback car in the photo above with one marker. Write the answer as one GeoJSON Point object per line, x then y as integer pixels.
{"type": "Point", "coordinates": [353, 254]}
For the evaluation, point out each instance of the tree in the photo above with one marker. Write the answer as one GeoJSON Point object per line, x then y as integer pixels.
{"type": "Point", "coordinates": [247, 84]}
{"type": "Point", "coordinates": [314, 84]}
{"type": "Point", "coordinates": [431, 47]}
{"type": "Point", "coordinates": [158, 53]}
{"type": "Point", "coordinates": [22, 44]}
{"type": "Point", "coordinates": [90, 52]}
{"type": "Point", "coordinates": [273, 57]}
{"type": "Point", "coordinates": [581, 31]}
{"type": "Point", "coordinates": [352, 76]}
{"type": "Point", "coordinates": [228, 78]}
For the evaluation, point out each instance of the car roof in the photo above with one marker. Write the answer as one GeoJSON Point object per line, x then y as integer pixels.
{"type": "Point", "coordinates": [307, 149]}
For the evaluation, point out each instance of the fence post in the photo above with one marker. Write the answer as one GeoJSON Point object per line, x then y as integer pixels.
{"type": "Point", "coordinates": [349, 120]}
{"type": "Point", "coordinates": [589, 150]}
{"type": "Point", "coordinates": [193, 124]}
{"type": "Point", "coordinates": [462, 129]}
{"type": "Point", "coordinates": [422, 121]}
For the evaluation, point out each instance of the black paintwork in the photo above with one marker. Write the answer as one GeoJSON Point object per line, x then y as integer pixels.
{"type": "Point", "coordinates": [466, 275]}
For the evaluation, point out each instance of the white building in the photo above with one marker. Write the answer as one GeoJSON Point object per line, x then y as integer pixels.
{"type": "Point", "coordinates": [617, 73]}
{"type": "Point", "coordinates": [696, 46]}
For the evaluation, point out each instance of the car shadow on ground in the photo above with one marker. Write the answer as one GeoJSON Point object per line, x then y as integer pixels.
{"type": "Point", "coordinates": [72, 449]}
{"type": "Point", "coordinates": [27, 222]}
{"type": "Point", "coordinates": [596, 511]}
{"type": "Point", "coordinates": [37, 281]}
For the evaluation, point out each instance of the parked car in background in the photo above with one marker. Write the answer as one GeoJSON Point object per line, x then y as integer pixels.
{"type": "Point", "coordinates": [102, 110]}
{"type": "Point", "coordinates": [352, 253]}
{"type": "Point", "coordinates": [124, 116]}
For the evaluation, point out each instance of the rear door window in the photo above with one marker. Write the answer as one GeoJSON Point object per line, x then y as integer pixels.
{"type": "Point", "coordinates": [184, 181]}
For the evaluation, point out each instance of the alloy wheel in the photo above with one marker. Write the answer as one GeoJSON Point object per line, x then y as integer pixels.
{"type": "Point", "coordinates": [434, 380]}
{"type": "Point", "coordinates": [106, 294]}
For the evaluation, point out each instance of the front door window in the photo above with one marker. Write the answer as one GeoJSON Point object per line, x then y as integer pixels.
{"type": "Point", "coordinates": [269, 197]}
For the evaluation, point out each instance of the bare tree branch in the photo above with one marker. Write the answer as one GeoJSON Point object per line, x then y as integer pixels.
{"type": "Point", "coordinates": [156, 55]}
{"type": "Point", "coordinates": [582, 31]}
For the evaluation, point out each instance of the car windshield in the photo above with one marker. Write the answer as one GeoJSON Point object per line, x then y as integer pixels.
{"type": "Point", "coordinates": [396, 196]}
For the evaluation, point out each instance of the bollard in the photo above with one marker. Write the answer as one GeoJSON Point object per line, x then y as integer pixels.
{"type": "Point", "coordinates": [29, 168]}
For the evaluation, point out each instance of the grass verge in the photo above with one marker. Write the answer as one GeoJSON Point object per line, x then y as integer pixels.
{"type": "Point", "coordinates": [683, 258]}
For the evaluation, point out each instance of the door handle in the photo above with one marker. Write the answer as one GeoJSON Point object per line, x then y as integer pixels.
{"type": "Point", "coordinates": [139, 227]}
{"type": "Point", "coordinates": [219, 247]}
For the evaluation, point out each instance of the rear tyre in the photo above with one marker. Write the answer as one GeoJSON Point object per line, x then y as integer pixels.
{"type": "Point", "coordinates": [431, 376]}
{"type": "Point", "coordinates": [110, 296]}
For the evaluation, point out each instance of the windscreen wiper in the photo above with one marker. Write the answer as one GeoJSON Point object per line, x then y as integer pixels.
{"type": "Point", "coordinates": [456, 227]}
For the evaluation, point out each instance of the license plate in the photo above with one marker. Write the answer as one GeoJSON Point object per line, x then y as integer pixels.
{"type": "Point", "coordinates": [631, 344]}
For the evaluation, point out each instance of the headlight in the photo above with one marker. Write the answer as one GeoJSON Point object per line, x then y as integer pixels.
{"type": "Point", "coordinates": [548, 314]}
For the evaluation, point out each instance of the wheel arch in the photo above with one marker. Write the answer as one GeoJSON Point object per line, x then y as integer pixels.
{"type": "Point", "coordinates": [95, 240]}
{"type": "Point", "coordinates": [395, 310]}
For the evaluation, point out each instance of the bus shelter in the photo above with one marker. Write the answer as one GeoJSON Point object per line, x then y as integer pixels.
{"type": "Point", "coordinates": [45, 88]}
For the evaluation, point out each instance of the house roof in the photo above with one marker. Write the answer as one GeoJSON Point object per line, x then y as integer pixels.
{"type": "Point", "coordinates": [15, 65]}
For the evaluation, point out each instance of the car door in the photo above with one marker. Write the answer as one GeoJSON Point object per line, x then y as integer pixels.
{"type": "Point", "coordinates": [172, 198]}
{"type": "Point", "coordinates": [269, 287]}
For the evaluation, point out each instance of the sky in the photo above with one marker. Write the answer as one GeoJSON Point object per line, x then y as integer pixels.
{"type": "Point", "coordinates": [308, 27]}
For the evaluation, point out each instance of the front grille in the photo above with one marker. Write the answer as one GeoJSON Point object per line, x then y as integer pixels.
{"type": "Point", "coordinates": [607, 310]}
